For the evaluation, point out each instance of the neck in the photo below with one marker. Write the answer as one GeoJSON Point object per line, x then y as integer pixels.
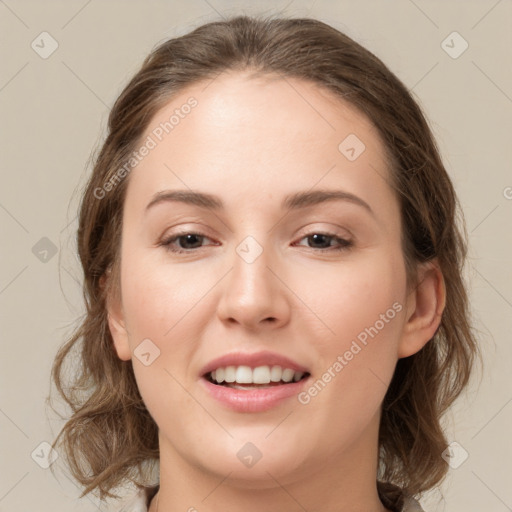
{"type": "Point", "coordinates": [341, 482]}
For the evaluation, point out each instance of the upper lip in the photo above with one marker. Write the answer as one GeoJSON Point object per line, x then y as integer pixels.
{"type": "Point", "coordinates": [255, 359]}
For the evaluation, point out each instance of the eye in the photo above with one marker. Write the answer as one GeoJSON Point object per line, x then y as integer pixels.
{"type": "Point", "coordinates": [188, 242]}
{"type": "Point", "coordinates": [185, 238]}
{"type": "Point", "coordinates": [324, 239]}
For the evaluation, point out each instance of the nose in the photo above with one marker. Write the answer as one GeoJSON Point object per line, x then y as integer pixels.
{"type": "Point", "coordinates": [254, 294]}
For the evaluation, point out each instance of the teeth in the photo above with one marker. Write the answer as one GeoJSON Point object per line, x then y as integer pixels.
{"type": "Point", "coordinates": [287, 375]}
{"type": "Point", "coordinates": [261, 375]}
{"type": "Point", "coordinates": [258, 375]}
{"type": "Point", "coordinates": [275, 373]}
{"type": "Point", "coordinates": [230, 374]}
{"type": "Point", "coordinates": [243, 375]}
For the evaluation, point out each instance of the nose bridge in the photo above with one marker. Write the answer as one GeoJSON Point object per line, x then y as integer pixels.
{"type": "Point", "coordinates": [251, 266]}
{"type": "Point", "coordinates": [253, 293]}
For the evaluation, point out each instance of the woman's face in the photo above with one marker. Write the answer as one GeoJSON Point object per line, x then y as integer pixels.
{"type": "Point", "coordinates": [275, 270]}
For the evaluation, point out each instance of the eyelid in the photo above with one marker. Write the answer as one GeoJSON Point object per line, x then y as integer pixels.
{"type": "Point", "coordinates": [332, 229]}
{"type": "Point", "coordinates": [185, 229]}
{"type": "Point", "coordinates": [202, 231]}
{"type": "Point", "coordinates": [343, 243]}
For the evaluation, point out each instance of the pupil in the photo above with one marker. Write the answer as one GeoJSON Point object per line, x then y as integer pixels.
{"type": "Point", "coordinates": [188, 237]}
{"type": "Point", "coordinates": [315, 238]}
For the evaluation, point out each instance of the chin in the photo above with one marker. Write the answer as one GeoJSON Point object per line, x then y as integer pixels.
{"type": "Point", "coordinates": [253, 465]}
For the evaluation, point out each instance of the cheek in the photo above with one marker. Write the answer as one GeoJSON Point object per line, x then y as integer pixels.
{"type": "Point", "coordinates": [158, 297]}
{"type": "Point", "coordinates": [356, 299]}
{"type": "Point", "coordinates": [364, 309]}
{"type": "Point", "coordinates": [163, 303]}
{"type": "Point", "coordinates": [347, 308]}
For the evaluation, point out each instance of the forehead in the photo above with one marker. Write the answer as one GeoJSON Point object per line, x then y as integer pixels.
{"type": "Point", "coordinates": [243, 136]}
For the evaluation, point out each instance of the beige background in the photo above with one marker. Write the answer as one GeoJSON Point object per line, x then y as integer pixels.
{"type": "Point", "coordinates": [53, 113]}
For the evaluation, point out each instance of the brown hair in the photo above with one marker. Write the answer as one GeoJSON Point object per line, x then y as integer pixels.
{"type": "Point", "coordinates": [110, 434]}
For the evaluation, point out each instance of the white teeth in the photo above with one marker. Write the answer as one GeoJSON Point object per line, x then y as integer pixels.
{"type": "Point", "coordinates": [244, 375]}
{"type": "Point", "coordinates": [275, 373]}
{"type": "Point", "coordinates": [219, 375]}
{"type": "Point", "coordinates": [258, 375]}
{"type": "Point", "coordinates": [261, 375]}
{"type": "Point", "coordinates": [230, 374]}
{"type": "Point", "coordinates": [287, 375]}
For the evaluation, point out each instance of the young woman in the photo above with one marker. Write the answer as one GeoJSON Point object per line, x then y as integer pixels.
{"type": "Point", "coordinates": [276, 314]}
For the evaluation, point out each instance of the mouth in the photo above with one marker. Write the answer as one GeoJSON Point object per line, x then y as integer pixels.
{"type": "Point", "coordinates": [252, 378]}
{"type": "Point", "coordinates": [253, 382]}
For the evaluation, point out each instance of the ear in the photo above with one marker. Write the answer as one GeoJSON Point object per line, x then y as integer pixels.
{"type": "Point", "coordinates": [425, 305]}
{"type": "Point", "coordinates": [116, 320]}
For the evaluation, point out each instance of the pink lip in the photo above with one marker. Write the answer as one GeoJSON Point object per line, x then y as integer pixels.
{"type": "Point", "coordinates": [253, 400]}
{"type": "Point", "coordinates": [263, 358]}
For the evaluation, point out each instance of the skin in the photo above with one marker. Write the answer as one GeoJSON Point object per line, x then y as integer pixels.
{"type": "Point", "coordinates": [252, 141]}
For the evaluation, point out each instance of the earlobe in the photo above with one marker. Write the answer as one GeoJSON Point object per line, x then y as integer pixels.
{"type": "Point", "coordinates": [425, 306]}
{"type": "Point", "coordinates": [120, 337]}
{"type": "Point", "coordinates": [116, 324]}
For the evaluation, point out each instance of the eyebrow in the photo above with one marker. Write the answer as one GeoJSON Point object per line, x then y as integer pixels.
{"type": "Point", "coordinates": [293, 201]}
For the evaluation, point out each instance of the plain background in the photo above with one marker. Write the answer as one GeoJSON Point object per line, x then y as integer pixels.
{"type": "Point", "coordinates": [53, 113]}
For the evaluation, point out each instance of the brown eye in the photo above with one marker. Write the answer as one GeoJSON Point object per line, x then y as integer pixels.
{"type": "Point", "coordinates": [325, 239]}
{"type": "Point", "coordinates": [186, 242]}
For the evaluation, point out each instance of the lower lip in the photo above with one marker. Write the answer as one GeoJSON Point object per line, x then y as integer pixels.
{"type": "Point", "coordinates": [253, 400]}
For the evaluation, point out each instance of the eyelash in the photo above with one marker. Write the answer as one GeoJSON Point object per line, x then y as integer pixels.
{"type": "Point", "coordinates": [345, 244]}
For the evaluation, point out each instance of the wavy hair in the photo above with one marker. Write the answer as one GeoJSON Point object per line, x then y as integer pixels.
{"type": "Point", "coordinates": [109, 434]}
